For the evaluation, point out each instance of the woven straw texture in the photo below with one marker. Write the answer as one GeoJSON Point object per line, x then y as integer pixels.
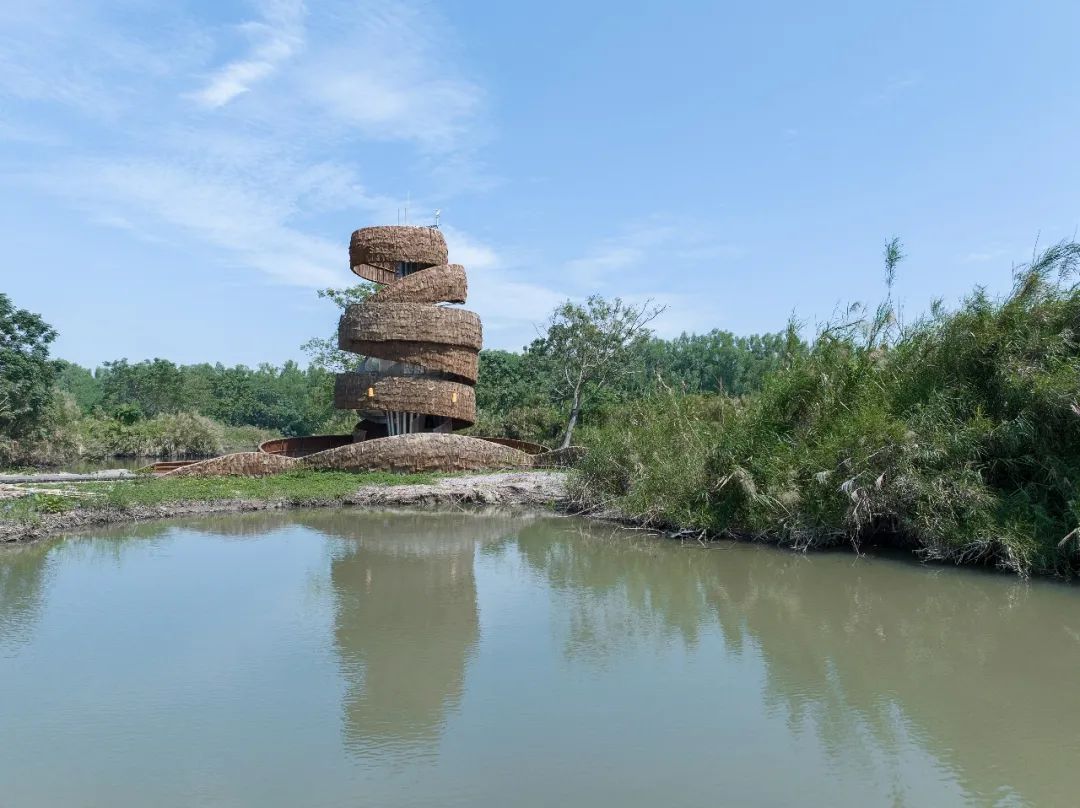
{"type": "Point", "coordinates": [462, 363]}
{"type": "Point", "coordinates": [241, 464]}
{"type": "Point", "coordinates": [526, 446]}
{"type": "Point", "coordinates": [441, 284]}
{"type": "Point", "coordinates": [419, 452]}
{"type": "Point", "coordinates": [406, 394]}
{"type": "Point", "coordinates": [374, 252]}
{"type": "Point", "coordinates": [418, 322]}
{"type": "Point", "coordinates": [401, 323]}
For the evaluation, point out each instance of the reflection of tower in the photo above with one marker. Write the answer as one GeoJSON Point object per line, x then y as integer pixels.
{"type": "Point", "coordinates": [406, 620]}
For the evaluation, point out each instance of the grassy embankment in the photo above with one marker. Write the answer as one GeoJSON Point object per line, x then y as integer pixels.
{"type": "Point", "coordinates": [958, 436]}
{"type": "Point", "coordinates": [295, 488]}
{"type": "Point", "coordinates": [68, 435]}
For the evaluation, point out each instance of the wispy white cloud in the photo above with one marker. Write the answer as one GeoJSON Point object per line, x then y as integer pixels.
{"type": "Point", "coordinates": [606, 258]}
{"type": "Point", "coordinates": [652, 247]}
{"type": "Point", "coordinates": [469, 251]}
{"type": "Point", "coordinates": [80, 56]}
{"type": "Point", "coordinates": [249, 226]}
{"type": "Point", "coordinates": [387, 74]}
{"type": "Point", "coordinates": [512, 305]}
{"type": "Point", "coordinates": [655, 259]}
{"type": "Point", "coordinates": [275, 37]}
{"type": "Point", "coordinates": [265, 171]}
{"type": "Point", "coordinates": [255, 183]}
{"type": "Point", "coordinates": [984, 255]}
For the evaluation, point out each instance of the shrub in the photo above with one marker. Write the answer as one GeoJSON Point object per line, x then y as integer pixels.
{"type": "Point", "coordinates": [182, 434]}
{"type": "Point", "coordinates": [959, 435]}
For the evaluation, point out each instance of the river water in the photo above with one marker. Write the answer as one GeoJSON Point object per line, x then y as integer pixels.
{"type": "Point", "coordinates": [333, 658]}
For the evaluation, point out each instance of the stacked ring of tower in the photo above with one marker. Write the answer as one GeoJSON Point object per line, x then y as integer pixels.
{"type": "Point", "coordinates": [425, 354]}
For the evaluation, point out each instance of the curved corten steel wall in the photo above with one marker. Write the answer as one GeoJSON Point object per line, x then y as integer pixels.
{"type": "Point", "coordinates": [430, 352]}
{"type": "Point", "coordinates": [303, 446]}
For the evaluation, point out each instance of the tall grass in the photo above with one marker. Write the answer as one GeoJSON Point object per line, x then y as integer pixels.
{"type": "Point", "coordinates": [958, 435]}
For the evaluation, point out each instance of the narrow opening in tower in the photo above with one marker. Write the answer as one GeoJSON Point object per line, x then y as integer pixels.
{"type": "Point", "coordinates": [404, 268]}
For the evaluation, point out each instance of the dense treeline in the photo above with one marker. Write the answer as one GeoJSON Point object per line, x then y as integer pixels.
{"type": "Point", "coordinates": [288, 399]}
{"type": "Point", "coordinates": [517, 393]}
{"type": "Point", "coordinates": [157, 407]}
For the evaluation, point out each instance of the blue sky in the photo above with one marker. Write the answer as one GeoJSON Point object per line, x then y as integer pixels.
{"type": "Point", "coordinates": [178, 178]}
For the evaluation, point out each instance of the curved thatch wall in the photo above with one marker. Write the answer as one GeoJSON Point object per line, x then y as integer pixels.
{"type": "Point", "coordinates": [409, 322]}
{"type": "Point", "coordinates": [402, 324]}
{"type": "Point", "coordinates": [441, 284]}
{"type": "Point", "coordinates": [419, 452]}
{"type": "Point", "coordinates": [436, 338]}
{"type": "Point", "coordinates": [461, 363]}
{"type": "Point", "coordinates": [374, 252]}
{"type": "Point", "coordinates": [445, 399]}
{"type": "Point", "coordinates": [526, 446]}
{"type": "Point", "coordinates": [241, 464]}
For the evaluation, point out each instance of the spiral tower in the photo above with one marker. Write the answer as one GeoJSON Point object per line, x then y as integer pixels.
{"type": "Point", "coordinates": [421, 357]}
{"type": "Point", "coordinates": [416, 382]}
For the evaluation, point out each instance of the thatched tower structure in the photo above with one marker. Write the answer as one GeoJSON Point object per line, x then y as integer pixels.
{"type": "Point", "coordinates": [421, 357]}
{"type": "Point", "coordinates": [416, 384]}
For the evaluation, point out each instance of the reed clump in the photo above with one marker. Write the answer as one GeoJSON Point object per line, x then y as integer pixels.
{"type": "Point", "coordinates": [957, 436]}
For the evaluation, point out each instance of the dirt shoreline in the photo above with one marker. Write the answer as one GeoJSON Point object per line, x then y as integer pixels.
{"type": "Point", "coordinates": [533, 489]}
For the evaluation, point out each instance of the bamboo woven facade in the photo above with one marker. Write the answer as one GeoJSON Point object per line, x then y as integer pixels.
{"type": "Point", "coordinates": [420, 452]}
{"type": "Point", "coordinates": [241, 464]}
{"type": "Point", "coordinates": [445, 399]}
{"type": "Point", "coordinates": [430, 353]}
{"type": "Point", "coordinates": [440, 284]}
{"type": "Point", "coordinates": [375, 252]}
{"type": "Point", "coordinates": [422, 385]}
{"type": "Point", "coordinates": [432, 337]}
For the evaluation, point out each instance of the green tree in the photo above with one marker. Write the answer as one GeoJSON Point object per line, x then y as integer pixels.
{"type": "Point", "coordinates": [80, 384]}
{"type": "Point", "coordinates": [591, 347]}
{"type": "Point", "coordinates": [323, 351]}
{"type": "Point", "coordinates": [27, 374]}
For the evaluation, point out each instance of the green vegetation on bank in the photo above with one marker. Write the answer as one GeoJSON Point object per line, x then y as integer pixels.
{"type": "Point", "coordinates": [52, 411]}
{"type": "Point", "coordinates": [295, 488]}
{"type": "Point", "coordinates": [958, 435]}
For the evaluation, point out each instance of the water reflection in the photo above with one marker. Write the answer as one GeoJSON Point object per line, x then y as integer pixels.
{"type": "Point", "coordinates": [957, 682]}
{"type": "Point", "coordinates": [406, 620]}
{"type": "Point", "coordinates": [24, 573]}
{"type": "Point", "coordinates": [977, 669]}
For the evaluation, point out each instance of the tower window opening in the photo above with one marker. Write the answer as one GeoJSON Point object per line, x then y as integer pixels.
{"type": "Point", "coordinates": [407, 268]}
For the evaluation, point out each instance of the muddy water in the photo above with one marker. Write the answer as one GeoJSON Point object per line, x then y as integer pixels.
{"type": "Point", "coordinates": [347, 658]}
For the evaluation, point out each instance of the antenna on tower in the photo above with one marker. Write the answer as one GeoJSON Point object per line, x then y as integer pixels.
{"type": "Point", "coordinates": [438, 213]}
